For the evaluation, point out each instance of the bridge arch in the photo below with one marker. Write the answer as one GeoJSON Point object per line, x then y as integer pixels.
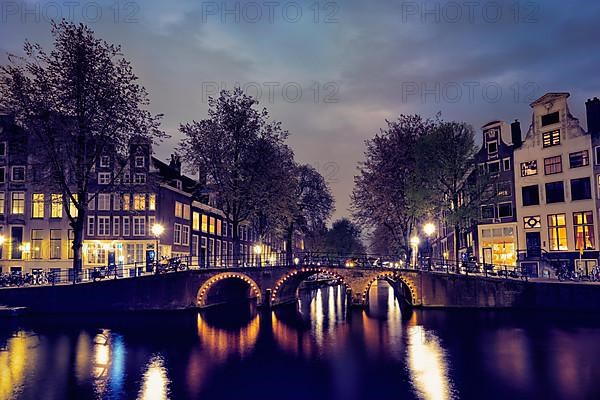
{"type": "Point", "coordinates": [403, 286]}
{"type": "Point", "coordinates": [286, 288]}
{"type": "Point", "coordinates": [212, 282]}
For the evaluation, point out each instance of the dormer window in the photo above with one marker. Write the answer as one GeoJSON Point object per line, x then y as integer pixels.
{"type": "Point", "coordinates": [139, 161]}
{"type": "Point", "coordinates": [105, 161]}
{"type": "Point", "coordinates": [178, 184]}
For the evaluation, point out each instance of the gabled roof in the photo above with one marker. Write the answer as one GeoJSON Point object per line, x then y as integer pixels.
{"type": "Point", "coordinates": [170, 174]}
{"type": "Point", "coordinates": [550, 97]}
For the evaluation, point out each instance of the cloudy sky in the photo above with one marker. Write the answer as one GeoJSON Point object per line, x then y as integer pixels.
{"type": "Point", "coordinates": [332, 72]}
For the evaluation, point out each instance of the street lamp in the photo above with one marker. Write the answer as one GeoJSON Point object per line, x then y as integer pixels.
{"type": "Point", "coordinates": [414, 242]}
{"type": "Point", "coordinates": [157, 230]}
{"type": "Point", "coordinates": [429, 229]}
{"type": "Point", "coordinates": [257, 251]}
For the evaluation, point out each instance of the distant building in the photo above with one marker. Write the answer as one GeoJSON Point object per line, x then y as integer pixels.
{"type": "Point", "coordinates": [35, 232]}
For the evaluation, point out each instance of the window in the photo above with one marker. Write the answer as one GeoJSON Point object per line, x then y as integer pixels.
{"type": "Point", "coordinates": [90, 226]}
{"type": "Point", "coordinates": [504, 189]}
{"type": "Point", "coordinates": [126, 226]}
{"type": "Point", "coordinates": [597, 155]}
{"type": "Point", "coordinates": [116, 201]}
{"type": "Point", "coordinates": [551, 138]}
{"type": "Point", "coordinates": [492, 148]}
{"type": "Point", "coordinates": [2, 174]}
{"type": "Point", "coordinates": [529, 168]}
{"type": "Point", "coordinates": [211, 226]}
{"type": "Point", "coordinates": [579, 159]}
{"type": "Point", "coordinates": [151, 221]}
{"type": "Point", "coordinates": [116, 226]}
{"type": "Point", "coordinates": [103, 226]}
{"type": "Point", "coordinates": [126, 177]}
{"type": "Point", "coordinates": [185, 235]}
{"type": "Point", "coordinates": [17, 205]}
{"type": "Point", "coordinates": [555, 192]}
{"type": "Point", "coordinates": [218, 227]}
{"type": "Point", "coordinates": [2, 202]}
{"type": "Point", "coordinates": [581, 189]}
{"type": "Point", "coordinates": [139, 161]}
{"type": "Point", "coordinates": [104, 201]}
{"type": "Point", "coordinates": [139, 201]}
{"type": "Point", "coordinates": [105, 161]}
{"type": "Point", "coordinates": [178, 209]}
{"type": "Point", "coordinates": [18, 174]}
{"type": "Point", "coordinates": [557, 232]}
{"type": "Point", "coordinates": [126, 201]}
{"type": "Point", "coordinates": [531, 195]}
{"type": "Point", "coordinates": [487, 212]}
{"type": "Point", "coordinates": [177, 234]}
{"type": "Point", "coordinates": [204, 223]}
{"type": "Point", "coordinates": [224, 228]}
{"type": "Point", "coordinates": [505, 210]}
{"type": "Point", "coordinates": [549, 119]}
{"type": "Point", "coordinates": [37, 242]}
{"type": "Point", "coordinates": [56, 205]}
{"type": "Point", "coordinates": [72, 208]}
{"type": "Point", "coordinates": [139, 226]}
{"type": "Point", "coordinates": [70, 238]}
{"type": "Point", "coordinates": [494, 168]}
{"type": "Point", "coordinates": [55, 244]}
{"type": "Point", "coordinates": [2, 149]}
{"type": "Point", "coordinates": [196, 220]}
{"type": "Point", "coordinates": [583, 224]}
{"type": "Point", "coordinates": [553, 165]}
{"type": "Point", "coordinates": [231, 229]}
{"type": "Point", "coordinates": [532, 222]}
{"type": "Point", "coordinates": [139, 179]}
{"type": "Point", "coordinates": [506, 162]}
{"type": "Point", "coordinates": [103, 178]}
{"type": "Point", "coordinates": [152, 202]}
{"type": "Point", "coordinates": [37, 205]}
{"type": "Point", "coordinates": [186, 211]}
{"type": "Point", "coordinates": [194, 249]}
{"type": "Point", "coordinates": [91, 201]}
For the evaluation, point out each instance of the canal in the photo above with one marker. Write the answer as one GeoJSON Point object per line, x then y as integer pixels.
{"type": "Point", "coordinates": [315, 349]}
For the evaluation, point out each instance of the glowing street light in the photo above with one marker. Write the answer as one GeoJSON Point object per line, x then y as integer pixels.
{"type": "Point", "coordinates": [157, 230]}
{"type": "Point", "coordinates": [429, 229]}
{"type": "Point", "coordinates": [414, 241]}
{"type": "Point", "coordinates": [257, 251]}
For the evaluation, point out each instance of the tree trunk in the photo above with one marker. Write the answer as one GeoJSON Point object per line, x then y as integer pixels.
{"type": "Point", "coordinates": [457, 246]}
{"type": "Point", "coordinates": [77, 226]}
{"type": "Point", "coordinates": [236, 244]}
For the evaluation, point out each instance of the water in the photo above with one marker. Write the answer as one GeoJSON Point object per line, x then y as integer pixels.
{"type": "Point", "coordinates": [317, 349]}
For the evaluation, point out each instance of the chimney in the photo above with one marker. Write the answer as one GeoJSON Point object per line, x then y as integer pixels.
{"type": "Point", "coordinates": [592, 107]}
{"type": "Point", "coordinates": [515, 131]}
{"type": "Point", "coordinates": [175, 163]}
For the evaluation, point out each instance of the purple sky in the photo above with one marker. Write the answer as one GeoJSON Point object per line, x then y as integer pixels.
{"type": "Point", "coordinates": [374, 60]}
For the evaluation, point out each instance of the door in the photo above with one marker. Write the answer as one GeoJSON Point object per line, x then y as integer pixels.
{"type": "Point", "coordinates": [534, 244]}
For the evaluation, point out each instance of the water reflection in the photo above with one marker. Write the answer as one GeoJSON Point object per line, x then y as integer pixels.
{"type": "Point", "coordinates": [155, 383]}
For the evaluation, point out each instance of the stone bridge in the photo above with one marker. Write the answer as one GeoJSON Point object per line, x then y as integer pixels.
{"type": "Point", "coordinates": [273, 286]}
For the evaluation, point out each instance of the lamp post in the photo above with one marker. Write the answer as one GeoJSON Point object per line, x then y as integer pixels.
{"type": "Point", "coordinates": [429, 230]}
{"type": "Point", "coordinates": [157, 230]}
{"type": "Point", "coordinates": [257, 252]}
{"type": "Point", "coordinates": [414, 243]}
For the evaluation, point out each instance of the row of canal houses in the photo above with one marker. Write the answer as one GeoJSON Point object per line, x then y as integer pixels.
{"type": "Point", "coordinates": [545, 212]}
{"type": "Point", "coordinates": [35, 232]}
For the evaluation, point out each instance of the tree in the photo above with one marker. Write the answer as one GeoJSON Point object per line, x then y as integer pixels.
{"type": "Point", "coordinates": [77, 102]}
{"type": "Point", "coordinates": [228, 146]}
{"type": "Point", "coordinates": [343, 239]}
{"type": "Point", "coordinates": [310, 207]}
{"type": "Point", "coordinates": [387, 190]}
{"type": "Point", "coordinates": [455, 186]}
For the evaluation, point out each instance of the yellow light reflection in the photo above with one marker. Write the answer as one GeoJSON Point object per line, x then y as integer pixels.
{"type": "Point", "coordinates": [220, 343]}
{"type": "Point", "coordinates": [427, 365]}
{"type": "Point", "coordinates": [13, 365]}
{"type": "Point", "coordinates": [155, 384]}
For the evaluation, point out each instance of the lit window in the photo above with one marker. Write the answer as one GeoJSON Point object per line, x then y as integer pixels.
{"type": "Point", "coordinates": [152, 202]}
{"type": "Point", "coordinates": [56, 206]}
{"type": "Point", "coordinates": [139, 201]}
{"type": "Point", "coordinates": [18, 174]}
{"type": "Point", "coordinates": [504, 189]}
{"type": "Point", "coordinates": [218, 227]}
{"type": "Point", "coordinates": [204, 223]}
{"type": "Point", "coordinates": [579, 159]}
{"type": "Point", "coordinates": [17, 206]}
{"type": "Point", "coordinates": [178, 209]}
{"type": "Point", "coordinates": [196, 220]}
{"type": "Point", "coordinates": [103, 178]}
{"type": "Point", "coordinates": [529, 168]}
{"type": "Point", "coordinates": [557, 232]}
{"type": "Point", "coordinates": [211, 227]}
{"type": "Point", "coordinates": [186, 211]}
{"type": "Point", "coordinates": [2, 202]}
{"type": "Point", "coordinates": [532, 222]}
{"type": "Point", "coordinates": [583, 224]}
{"type": "Point", "coordinates": [551, 138]}
{"type": "Point", "coordinates": [37, 205]}
{"type": "Point", "coordinates": [126, 201]}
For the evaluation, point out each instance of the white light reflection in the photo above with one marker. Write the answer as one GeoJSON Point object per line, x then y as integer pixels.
{"type": "Point", "coordinates": [427, 365]}
{"type": "Point", "coordinates": [155, 381]}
